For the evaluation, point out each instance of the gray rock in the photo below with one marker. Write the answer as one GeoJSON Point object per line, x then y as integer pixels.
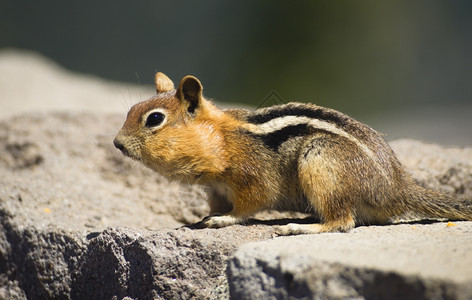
{"type": "Point", "coordinates": [127, 263]}
{"type": "Point", "coordinates": [378, 262]}
{"type": "Point", "coordinates": [117, 262]}
{"type": "Point", "coordinates": [446, 168]}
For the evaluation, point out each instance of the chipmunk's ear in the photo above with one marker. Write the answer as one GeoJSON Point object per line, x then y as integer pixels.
{"type": "Point", "coordinates": [190, 90]}
{"type": "Point", "coordinates": [163, 83]}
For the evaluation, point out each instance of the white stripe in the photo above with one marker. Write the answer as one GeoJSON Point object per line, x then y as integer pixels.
{"type": "Point", "coordinates": [285, 121]}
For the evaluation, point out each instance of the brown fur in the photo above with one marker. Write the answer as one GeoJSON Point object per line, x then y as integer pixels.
{"type": "Point", "coordinates": [345, 172]}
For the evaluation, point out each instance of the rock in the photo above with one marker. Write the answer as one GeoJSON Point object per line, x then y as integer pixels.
{"type": "Point", "coordinates": [132, 263]}
{"type": "Point", "coordinates": [437, 167]}
{"type": "Point", "coordinates": [40, 261]}
{"type": "Point", "coordinates": [376, 262]}
{"type": "Point", "coordinates": [46, 263]}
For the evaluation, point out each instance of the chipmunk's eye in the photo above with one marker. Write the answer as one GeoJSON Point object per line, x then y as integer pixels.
{"type": "Point", "coordinates": [155, 119]}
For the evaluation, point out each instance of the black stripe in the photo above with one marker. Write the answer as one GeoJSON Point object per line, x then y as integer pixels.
{"type": "Point", "coordinates": [274, 139]}
{"type": "Point", "coordinates": [288, 110]}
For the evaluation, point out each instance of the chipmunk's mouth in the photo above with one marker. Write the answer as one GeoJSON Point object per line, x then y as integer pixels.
{"type": "Point", "coordinates": [120, 146]}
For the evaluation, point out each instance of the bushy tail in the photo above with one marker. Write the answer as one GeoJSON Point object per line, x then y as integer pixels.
{"type": "Point", "coordinates": [433, 204]}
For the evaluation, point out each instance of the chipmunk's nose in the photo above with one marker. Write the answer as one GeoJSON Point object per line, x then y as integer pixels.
{"type": "Point", "coordinates": [118, 145]}
{"type": "Point", "coordinates": [122, 143]}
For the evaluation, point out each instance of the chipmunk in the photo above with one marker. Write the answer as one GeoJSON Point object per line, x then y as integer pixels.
{"type": "Point", "coordinates": [296, 157]}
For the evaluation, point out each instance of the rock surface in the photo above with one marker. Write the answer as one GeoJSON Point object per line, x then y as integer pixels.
{"type": "Point", "coordinates": [78, 220]}
{"type": "Point", "coordinates": [393, 262]}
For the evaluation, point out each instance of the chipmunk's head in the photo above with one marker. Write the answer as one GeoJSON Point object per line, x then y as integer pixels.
{"type": "Point", "coordinates": [173, 132]}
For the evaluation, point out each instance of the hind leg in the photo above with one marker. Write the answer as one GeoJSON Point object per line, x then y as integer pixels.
{"type": "Point", "coordinates": [341, 221]}
{"type": "Point", "coordinates": [327, 188]}
{"type": "Point", "coordinates": [331, 226]}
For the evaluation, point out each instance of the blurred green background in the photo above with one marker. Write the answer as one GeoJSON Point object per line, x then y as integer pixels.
{"type": "Point", "coordinates": [408, 59]}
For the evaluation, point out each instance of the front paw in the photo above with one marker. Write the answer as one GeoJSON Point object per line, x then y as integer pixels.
{"type": "Point", "coordinates": [219, 221]}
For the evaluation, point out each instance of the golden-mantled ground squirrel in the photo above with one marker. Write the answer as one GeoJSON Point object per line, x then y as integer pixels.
{"type": "Point", "coordinates": [296, 157]}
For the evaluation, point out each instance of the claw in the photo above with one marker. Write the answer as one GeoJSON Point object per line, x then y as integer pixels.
{"type": "Point", "coordinates": [216, 221]}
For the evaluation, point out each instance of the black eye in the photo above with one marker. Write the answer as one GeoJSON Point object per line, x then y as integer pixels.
{"type": "Point", "coordinates": [155, 119]}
